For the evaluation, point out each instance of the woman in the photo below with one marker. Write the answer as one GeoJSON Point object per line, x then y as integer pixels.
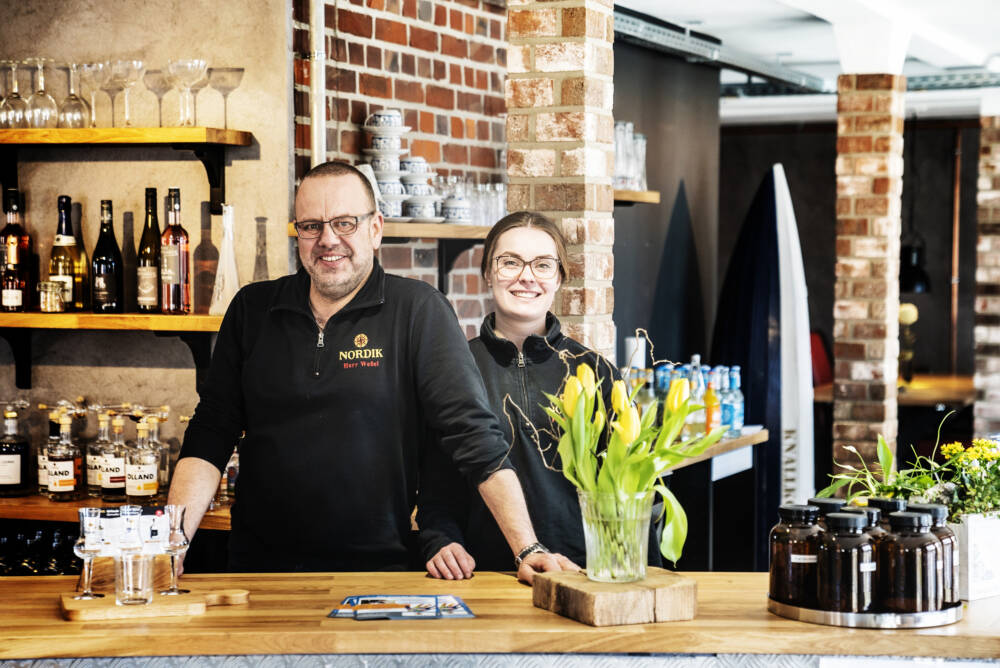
{"type": "Point", "coordinates": [521, 353]}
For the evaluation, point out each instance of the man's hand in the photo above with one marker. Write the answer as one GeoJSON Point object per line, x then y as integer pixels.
{"type": "Point", "coordinates": [538, 562]}
{"type": "Point", "coordinates": [452, 562]}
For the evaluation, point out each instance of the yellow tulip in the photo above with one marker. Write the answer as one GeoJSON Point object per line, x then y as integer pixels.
{"type": "Point", "coordinates": [570, 395]}
{"type": "Point", "coordinates": [627, 425]}
{"type": "Point", "coordinates": [598, 420]}
{"type": "Point", "coordinates": [619, 396]}
{"type": "Point", "coordinates": [679, 392]}
{"type": "Point", "coordinates": [586, 376]}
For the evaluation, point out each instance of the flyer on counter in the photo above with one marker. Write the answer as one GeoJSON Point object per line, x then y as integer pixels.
{"type": "Point", "coordinates": [394, 606]}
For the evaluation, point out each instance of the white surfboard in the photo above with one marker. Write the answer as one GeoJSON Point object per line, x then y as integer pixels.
{"type": "Point", "coordinates": [797, 449]}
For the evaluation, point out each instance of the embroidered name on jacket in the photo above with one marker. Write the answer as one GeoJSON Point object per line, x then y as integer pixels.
{"type": "Point", "coordinates": [365, 356]}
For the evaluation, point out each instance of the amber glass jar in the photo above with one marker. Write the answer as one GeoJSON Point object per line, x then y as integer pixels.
{"type": "Point", "coordinates": [793, 542]}
{"type": "Point", "coordinates": [845, 564]}
{"type": "Point", "coordinates": [949, 548]}
{"type": "Point", "coordinates": [908, 564]}
{"type": "Point", "coordinates": [826, 506]}
{"type": "Point", "coordinates": [887, 506]}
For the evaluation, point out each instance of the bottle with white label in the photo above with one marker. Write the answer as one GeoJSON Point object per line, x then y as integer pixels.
{"type": "Point", "coordinates": [148, 259]}
{"type": "Point", "coordinates": [845, 564]}
{"type": "Point", "coordinates": [95, 454]}
{"type": "Point", "coordinates": [165, 468]}
{"type": "Point", "coordinates": [64, 256]}
{"type": "Point", "coordinates": [737, 401]}
{"type": "Point", "coordinates": [142, 469]}
{"type": "Point", "coordinates": [66, 481]}
{"type": "Point", "coordinates": [42, 454]}
{"type": "Point", "coordinates": [793, 544]}
{"type": "Point", "coordinates": [113, 463]}
{"type": "Point", "coordinates": [15, 459]}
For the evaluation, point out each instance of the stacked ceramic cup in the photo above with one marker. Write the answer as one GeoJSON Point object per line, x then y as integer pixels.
{"type": "Point", "coordinates": [423, 203]}
{"type": "Point", "coordinates": [386, 130]}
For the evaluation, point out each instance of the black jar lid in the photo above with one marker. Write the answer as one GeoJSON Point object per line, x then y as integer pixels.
{"type": "Point", "coordinates": [792, 512]}
{"type": "Point", "coordinates": [937, 511]}
{"type": "Point", "coordinates": [836, 521]}
{"type": "Point", "coordinates": [909, 520]}
{"type": "Point", "coordinates": [887, 506]}
{"type": "Point", "coordinates": [827, 505]}
{"type": "Point", "coordinates": [873, 514]}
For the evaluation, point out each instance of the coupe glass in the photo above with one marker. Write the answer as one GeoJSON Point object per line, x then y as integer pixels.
{"type": "Point", "coordinates": [87, 546]}
{"type": "Point", "coordinates": [176, 546]}
{"type": "Point", "coordinates": [185, 73]}
{"type": "Point", "coordinates": [14, 110]}
{"type": "Point", "coordinates": [225, 80]}
{"type": "Point", "coordinates": [74, 112]}
{"type": "Point", "coordinates": [112, 86]}
{"type": "Point", "coordinates": [159, 84]}
{"type": "Point", "coordinates": [196, 88]}
{"type": "Point", "coordinates": [43, 112]}
{"type": "Point", "coordinates": [94, 77]}
{"type": "Point", "coordinates": [128, 72]}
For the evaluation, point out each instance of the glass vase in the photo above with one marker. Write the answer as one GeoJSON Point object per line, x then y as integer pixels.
{"type": "Point", "coordinates": [616, 531]}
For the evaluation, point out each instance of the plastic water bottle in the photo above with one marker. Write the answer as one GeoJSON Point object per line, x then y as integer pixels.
{"type": "Point", "coordinates": [736, 397]}
{"type": "Point", "coordinates": [725, 396]}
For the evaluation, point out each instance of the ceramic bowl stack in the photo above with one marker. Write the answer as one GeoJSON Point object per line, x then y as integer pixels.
{"type": "Point", "coordinates": [423, 204]}
{"type": "Point", "coordinates": [386, 129]}
{"type": "Point", "coordinates": [457, 209]}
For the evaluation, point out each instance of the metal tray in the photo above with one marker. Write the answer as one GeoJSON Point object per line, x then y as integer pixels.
{"type": "Point", "coordinates": [869, 620]}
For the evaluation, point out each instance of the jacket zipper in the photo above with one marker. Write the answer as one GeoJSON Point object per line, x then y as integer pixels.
{"type": "Point", "coordinates": [524, 375]}
{"type": "Point", "coordinates": [319, 349]}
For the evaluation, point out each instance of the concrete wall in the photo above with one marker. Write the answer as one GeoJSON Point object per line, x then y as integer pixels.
{"type": "Point", "coordinates": [141, 367]}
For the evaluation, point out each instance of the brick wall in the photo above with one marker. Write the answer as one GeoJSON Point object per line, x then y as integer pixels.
{"type": "Point", "coordinates": [869, 172]}
{"type": "Point", "coordinates": [442, 63]}
{"type": "Point", "coordinates": [987, 328]}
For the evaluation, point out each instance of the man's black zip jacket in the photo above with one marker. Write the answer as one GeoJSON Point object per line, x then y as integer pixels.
{"type": "Point", "coordinates": [335, 420]}
{"type": "Point", "coordinates": [448, 510]}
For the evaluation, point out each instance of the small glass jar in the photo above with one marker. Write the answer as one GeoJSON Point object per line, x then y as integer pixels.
{"type": "Point", "coordinates": [50, 297]}
{"type": "Point", "coordinates": [949, 548]}
{"type": "Point", "coordinates": [908, 564]}
{"type": "Point", "coordinates": [845, 564]}
{"type": "Point", "coordinates": [887, 506]}
{"type": "Point", "coordinates": [793, 542]}
{"type": "Point", "coordinates": [826, 506]}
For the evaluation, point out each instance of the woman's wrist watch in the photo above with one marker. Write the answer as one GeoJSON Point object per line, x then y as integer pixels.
{"type": "Point", "coordinates": [529, 550]}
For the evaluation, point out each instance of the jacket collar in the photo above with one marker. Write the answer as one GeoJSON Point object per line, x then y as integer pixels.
{"type": "Point", "coordinates": [294, 294]}
{"type": "Point", "coordinates": [536, 348]}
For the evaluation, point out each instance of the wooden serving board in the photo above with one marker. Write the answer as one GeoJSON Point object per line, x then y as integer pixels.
{"type": "Point", "coordinates": [161, 606]}
{"type": "Point", "coordinates": [663, 596]}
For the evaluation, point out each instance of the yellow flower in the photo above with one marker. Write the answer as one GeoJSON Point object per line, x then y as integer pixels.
{"type": "Point", "coordinates": [574, 388]}
{"type": "Point", "coordinates": [951, 449]}
{"type": "Point", "coordinates": [680, 390]}
{"type": "Point", "coordinates": [586, 376]}
{"type": "Point", "coordinates": [598, 420]}
{"type": "Point", "coordinates": [627, 425]}
{"type": "Point", "coordinates": [619, 396]}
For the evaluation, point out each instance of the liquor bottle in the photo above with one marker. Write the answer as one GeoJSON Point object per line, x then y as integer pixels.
{"type": "Point", "coordinates": [736, 397]}
{"type": "Point", "coordinates": [81, 275]}
{"type": "Point", "coordinates": [645, 398]}
{"type": "Point", "coordinates": [66, 481]}
{"type": "Point", "coordinates": [164, 467]}
{"type": "Point", "coordinates": [108, 271]}
{"type": "Point", "coordinates": [695, 421]}
{"type": "Point", "coordinates": [113, 467]}
{"type": "Point", "coordinates": [175, 260]}
{"type": "Point", "coordinates": [142, 469]}
{"type": "Point", "coordinates": [62, 261]}
{"type": "Point", "coordinates": [95, 455]}
{"type": "Point", "coordinates": [15, 459]}
{"type": "Point", "coordinates": [15, 232]}
{"type": "Point", "coordinates": [148, 259]}
{"type": "Point", "coordinates": [713, 408]}
{"type": "Point", "coordinates": [14, 295]}
{"type": "Point", "coordinates": [42, 454]}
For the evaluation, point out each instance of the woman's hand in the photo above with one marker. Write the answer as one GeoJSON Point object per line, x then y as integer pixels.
{"type": "Point", "coordinates": [451, 562]}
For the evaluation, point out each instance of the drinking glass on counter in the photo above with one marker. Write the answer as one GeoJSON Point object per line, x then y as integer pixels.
{"type": "Point", "coordinates": [87, 546]}
{"type": "Point", "coordinates": [159, 84]}
{"type": "Point", "coordinates": [185, 73]}
{"type": "Point", "coordinates": [74, 112]}
{"type": "Point", "coordinates": [94, 77]}
{"type": "Point", "coordinates": [225, 80]}
{"type": "Point", "coordinates": [176, 545]}
{"type": "Point", "coordinates": [43, 112]}
{"type": "Point", "coordinates": [127, 72]}
{"type": "Point", "coordinates": [14, 110]}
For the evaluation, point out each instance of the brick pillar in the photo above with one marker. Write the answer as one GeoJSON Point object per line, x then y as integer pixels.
{"type": "Point", "coordinates": [870, 110]}
{"type": "Point", "coordinates": [987, 330]}
{"type": "Point", "coordinates": [560, 153]}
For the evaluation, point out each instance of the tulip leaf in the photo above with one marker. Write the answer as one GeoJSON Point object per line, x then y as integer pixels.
{"type": "Point", "coordinates": [675, 526]}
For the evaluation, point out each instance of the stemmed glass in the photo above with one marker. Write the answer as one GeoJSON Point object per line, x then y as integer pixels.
{"type": "Point", "coordinates": [196, 88]}
{"type": "Point", "coordinates": [112, 86]}
{"type": "Point", "coordinates": [74, 112]}
{"type": "Point", "coordinates": [14, 109]}
{"type": "Point", "coordinates": [87, 546]}
{"type": "Point", "coordinates": [42, 109]}
{"type": "Point", "coordinates": [176, 546]}
{"type": "Point", "coordinates": [128, 72]}
{"type": "Point", "coordinates": [94, 76]}
{"type": "Point", "coordinates": [185, 73]}
{"type": "Point", "coordinates": [225, 80]}
{"type": "Point", "coordinates": [159, 84]}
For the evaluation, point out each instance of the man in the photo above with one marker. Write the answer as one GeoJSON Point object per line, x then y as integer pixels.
{"type": "Point", "coordinates": [335, 374]}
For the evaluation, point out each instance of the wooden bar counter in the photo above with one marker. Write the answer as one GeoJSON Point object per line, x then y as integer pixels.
{"type": "Point", "coordinates": [287, 615]}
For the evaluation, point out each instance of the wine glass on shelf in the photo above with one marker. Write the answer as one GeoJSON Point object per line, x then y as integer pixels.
{"type": "Point", "coordinates": [176, 545]}
{"type": "Point", "coordinates": [186, 72]}
{"type": "Point", "coordinates": [88, 546]}
{"type": "Point", "coordinates": [14, 109]}
{"type": "Point", "coordinates": [128, 72]}
{"type": "Point", "coordinates": [196, 88]}
{"type": "Point", "coordinates": [112, 86]}
{"type": "Point", "coordinates": [225, 80]}
{"type": "Point", "coordinates": [43, 112]}
{"type": "Point", "coordinates": [159, 84]}
{"type": "Point", "coordinates": [74, 112]}
{"type": "Point", "coordinates": [94, 77]}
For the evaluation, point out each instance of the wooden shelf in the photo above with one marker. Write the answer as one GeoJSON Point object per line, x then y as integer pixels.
{"type": "Point", "coordinates": [425, 231]}
{"type": "Point", "coordinates": [123, 321]}
{"type": "Point", "coordinates": [727, 445]}
{"type": "Point", "coordinates": [40, 508]}
{"type": "Point", "coordinates": [126, 136]}
{"type": "Point", "coordinates": [637, 196]}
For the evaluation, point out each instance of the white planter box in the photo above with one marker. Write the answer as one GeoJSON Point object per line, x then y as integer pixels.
{"type": "Point", "coordinates": [979, 550]}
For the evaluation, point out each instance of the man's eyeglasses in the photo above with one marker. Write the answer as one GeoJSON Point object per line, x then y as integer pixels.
{"type": "Point", "coordinates": [511, 266]}
{"type": "Point", "coordinates": [342, 226]}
